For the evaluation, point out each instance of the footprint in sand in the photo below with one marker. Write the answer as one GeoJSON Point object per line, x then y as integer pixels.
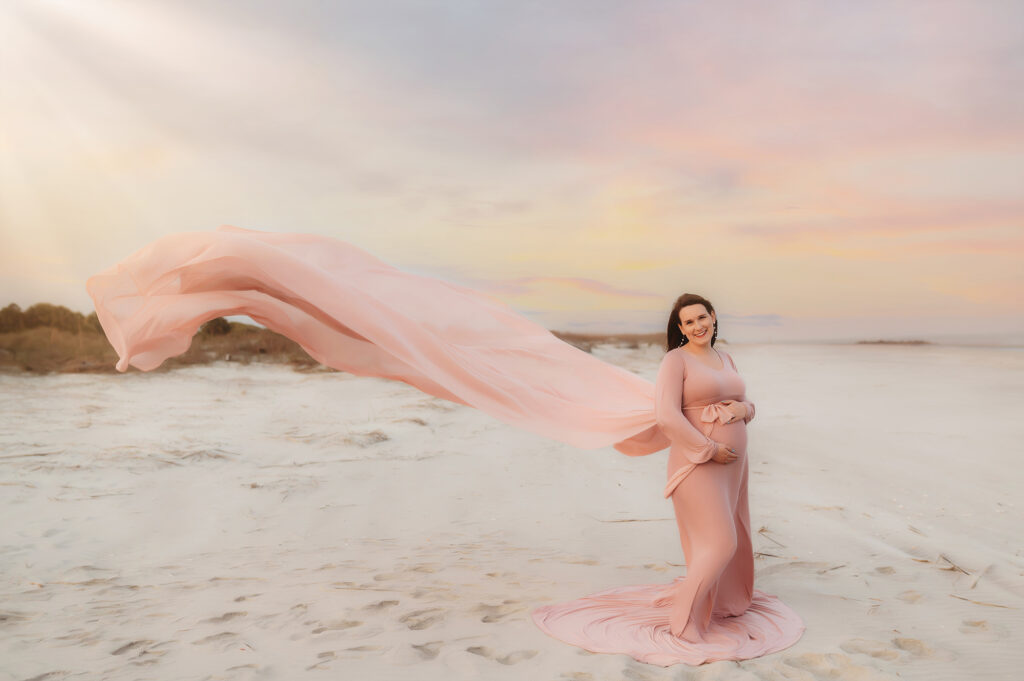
{"type": "Point", "coordinates": [914, 646]}
{"type": "Point", "coordinates": [974, 626]}
{"type": "Point", "coordinates": [496, 613]}
{"type": "Point", "coordinates": [909, 596]}
{"type": "Point", "coordinates": [222, 636]}
{"type": "Point", "coordinates": [421, 619]}
{"type": "Point", "coordinates": [384, 576]}
{"type": "Point", "coordinates": [50, 676]}
{"type": "Point", "coordinates": [367, 439]}
{"type": "Point", "coordinates": [418, 421]}
{"type": "Point", "coordinates": [323, 659]}
{"type": "Point", "coordinates": [890, 650]}
{"type": "Point", "coordinates": [637, 671]}
{"type": "Point", "coordinates": [879, 649]}
{"type": "Point", "coordinates": [148, 651]}
{"type": "Point", "coordinates": [815, 666]}
{"type": "Point", "coordinates": [9, 617]}
{"type": "Point", "coordinates": [514, 657]}
{"type": "Point", "coordinates": [380, 605]}
{"type": "Point", "coordinates": [428, 651]}
{"type": "Point", "coordinates": [224, 618]}
{"type": "Point", "coordinates": [337, 625]}
{"type": "Point", "coordinates": [130, 646]}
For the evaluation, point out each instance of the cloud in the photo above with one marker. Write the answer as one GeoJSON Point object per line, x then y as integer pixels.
{"type": "Point", "coordinates": [884, 218]}
{"type": "Point", "coordinates": [526, 284]}
{"type": "Point", "coordinates": [755, 320]}
{"type": "Point", "coordinates": [624, 145]}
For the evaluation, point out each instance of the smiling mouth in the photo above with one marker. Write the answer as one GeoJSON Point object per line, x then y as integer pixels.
{"type": "Point", "coordinates": [702, 333]}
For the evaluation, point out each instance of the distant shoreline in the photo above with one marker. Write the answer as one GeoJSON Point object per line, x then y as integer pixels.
{"type": "Point", "coordinates": [46, 339]}
{"type": "Point", "coordinates": [893, 342]}
{"type": "Point", "coordinates": [45, 350]}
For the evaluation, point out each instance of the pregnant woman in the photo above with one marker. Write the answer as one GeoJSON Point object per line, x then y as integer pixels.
{"type": "Point", "coordinates": [699, 403]}
{"type": "Point", "coordinates": [355, 313]}
{"type": "Point", "coordinates": [714, 612]}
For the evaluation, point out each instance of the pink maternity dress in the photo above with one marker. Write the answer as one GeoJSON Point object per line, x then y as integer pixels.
{"type": "Point", "coordinates": [355, 313]}
{"type": "Point", "coordinates": [714, 612]}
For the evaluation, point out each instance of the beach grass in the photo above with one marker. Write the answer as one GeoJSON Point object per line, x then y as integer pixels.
{"type": "Point", "coordinates": [49, 349]}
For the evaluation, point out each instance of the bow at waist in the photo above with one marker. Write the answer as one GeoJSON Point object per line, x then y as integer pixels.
{"type": "Point", "coordinates": [715, 412]}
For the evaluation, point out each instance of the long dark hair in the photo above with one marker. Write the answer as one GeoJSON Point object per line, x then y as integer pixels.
{"type": "Point", "coordinates": [674, 337]}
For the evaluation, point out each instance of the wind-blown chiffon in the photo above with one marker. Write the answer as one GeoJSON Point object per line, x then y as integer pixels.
{"type": "Point", "coordinates": [355, 313]}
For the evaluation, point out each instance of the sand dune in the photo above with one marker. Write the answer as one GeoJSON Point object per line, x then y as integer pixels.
{"type": "Point", "coordinates": [239, 522]}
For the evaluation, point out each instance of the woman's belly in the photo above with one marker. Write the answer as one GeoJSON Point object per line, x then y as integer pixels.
{"type": "Point", "coordinates": [732, 435]}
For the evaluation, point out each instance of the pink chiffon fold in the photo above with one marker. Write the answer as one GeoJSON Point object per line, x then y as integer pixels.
{"type": "Point", "coordinates": [355, 313]}
{"type": "Point", "coordinates": [634, 620]}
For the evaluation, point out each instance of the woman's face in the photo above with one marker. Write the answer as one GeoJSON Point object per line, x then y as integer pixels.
{"type": "Point", "coordinates": [696, 324]}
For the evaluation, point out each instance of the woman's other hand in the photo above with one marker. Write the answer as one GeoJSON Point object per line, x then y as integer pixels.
{"type": "Point", "coordinates": [724, 454]}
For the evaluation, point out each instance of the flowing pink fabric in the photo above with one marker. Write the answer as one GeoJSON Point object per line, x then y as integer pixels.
{"type": "Point", "coordinates": [355, 313]}
{"type": "Point", "coordinates": [633, 620]}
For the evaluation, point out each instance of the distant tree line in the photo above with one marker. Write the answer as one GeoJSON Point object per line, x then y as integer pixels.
{"type": "Point", "coordinates": [13, 319]}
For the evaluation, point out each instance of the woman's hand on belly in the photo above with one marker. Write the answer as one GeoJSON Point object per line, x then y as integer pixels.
{"type": "Point", "coordinates": [737, 409]}
{"type": "Point", "coordinates": [725, 454]}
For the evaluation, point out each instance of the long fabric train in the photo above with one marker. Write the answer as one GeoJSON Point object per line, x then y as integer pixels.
{"type": "Point", "coordinates": [353, 312]}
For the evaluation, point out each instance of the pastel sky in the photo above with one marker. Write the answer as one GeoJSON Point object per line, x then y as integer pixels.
{"type": "Point", "coordinates": [819, 170]}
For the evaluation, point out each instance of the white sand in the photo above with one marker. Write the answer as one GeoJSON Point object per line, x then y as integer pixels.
{"type": "Point", "coordinates": [236, 522]}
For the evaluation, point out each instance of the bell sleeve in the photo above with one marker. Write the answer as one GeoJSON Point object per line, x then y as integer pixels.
{"type": "Point", "coordinates": [668, 411]}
